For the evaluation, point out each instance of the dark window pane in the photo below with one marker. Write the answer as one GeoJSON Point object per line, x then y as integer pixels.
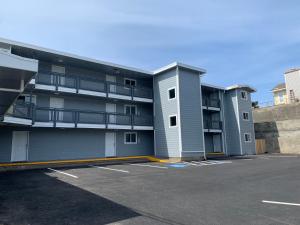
{"type": "Point", "coordinates": [133, 137]}
{"type": "Point", "coordinates": [133, 110]}
{"type": "Point", "coordinates": [171, 93]}
{"type": "Point", "coordinates": [133, 83]}
{"type": "Point", "coordinates": [127, 82]}
{"type": "Point", "coordinates": [173, 121]}
{"type": "Point", "coordinates": [127, 138]}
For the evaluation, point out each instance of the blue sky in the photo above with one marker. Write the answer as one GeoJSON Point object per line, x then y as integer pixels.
{"type": "Point", "coordinates": [236, 41]}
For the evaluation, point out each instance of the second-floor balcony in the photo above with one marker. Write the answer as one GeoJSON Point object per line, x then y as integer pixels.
{"type": "Point", "coordinates": [212, 125]}
{"type": "Point", "coordinates": [91, 86]}
{"type": "Point", "coordinates": [211, 104]}
{"type": "Point", "coordinates": [27, 114]}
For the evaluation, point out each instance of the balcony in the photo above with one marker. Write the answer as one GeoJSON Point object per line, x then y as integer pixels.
{"type": "Point", "coordinates": [212, 125]}
{"type": "Point", "coordinates": [19, 114]}
{"type": "Point", "coordinates": [211, 104]}
{"type": "Point", "coordinates": [91, 86]}
{"type": "Point", "coordinates": [64, 118]}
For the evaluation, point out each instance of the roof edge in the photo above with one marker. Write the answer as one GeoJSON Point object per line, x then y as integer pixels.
{"type": "Point", "coordinates": [241, 86]}
{"type": "Point", "coordinates": [178, 64]}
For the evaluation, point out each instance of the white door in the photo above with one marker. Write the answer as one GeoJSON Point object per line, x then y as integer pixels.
{"type": "Point", "coordinates": [217, 143]}
{"type": "Point", "coordinates": [20, 141]}
{"type": "Point", "coordinates": [111, 108]}
{"type": "Point", "coordinates": [110, 144]}
{"type": "Point", "coordinates": [111, 79]}
{"type": "Point", "coordinates": [57, 103]}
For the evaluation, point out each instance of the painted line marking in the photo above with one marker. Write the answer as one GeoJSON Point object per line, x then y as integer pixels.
{"type": "Point", "coordinates": [107, 168]}
{"type": "Point", "coordinates": [189, 163]}
{"type": "Point", "coordinates": [247, 159]}
{"type": "Point", "coordinates": [280, 203]}
{"type": "Point", "coordinates": [63, 173]}
{"type": "Point", "coordinates": [153, 166]}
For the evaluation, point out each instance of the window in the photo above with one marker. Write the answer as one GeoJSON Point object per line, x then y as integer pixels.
{"type": "Point", "coordinates": [130, 109]}
{"type": "Point", "coordinates": [172, 93]}
{"type": "Point", "coordinates": [244, 95]}
{"type": "Point", "coordinates": [173, 121]}
{"type": "Point", "coordinates": [130, 82]}
{"type": "Point", "coordinates": [245, 116]}
{"type": "Point", "coordinates": [130, 138]}
{"type": "Point", "coordinates": [247, 137]}
{"type": "Point", "coordinates": [281, 97]}
{"type": "Point", "coordinates": [26, 99]}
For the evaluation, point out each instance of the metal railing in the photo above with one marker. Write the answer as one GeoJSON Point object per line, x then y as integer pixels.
{"type": "Point", "coordinates": [88, 117]}
{"type": "Point", "coordinates": [91, 84]}
{"type": "Point", "coordinates": [211, 102]}
{"type": "Point", "coordinates": [19, 110]}
{"type": "Point", "coordinates": [212, 124]}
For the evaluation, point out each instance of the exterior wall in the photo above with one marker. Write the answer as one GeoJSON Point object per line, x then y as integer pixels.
{"type": "Point", "coordinates": [232, 130]}
{"type": "Point", "coordinates": [278, 100]}
{"type": "Point", "coordinates": [59, 144]}
{"type": "Point", "coordinates": [292, 81]}
{"type": "Point", "coordinates": [191, 113]}
{"type": "Point", "coordinates": [167, 140]}
{"type": "Point", "coordinates": [248, 148]}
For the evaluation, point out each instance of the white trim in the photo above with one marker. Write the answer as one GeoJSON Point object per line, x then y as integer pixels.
{"type": "Point", "coordinates": [203, 139]}
{"type": "Point", "coordinates": [174, 115]}
{"type": "Point", "coordinates": [130, 143]}
{"type": "Point", "coordinates": [247, 114]}
{"type": "Point", "coordinates": [213, 108]}
{"type": "Point", "coordinates": [238, 120]}
{"type": "Point", "coordinates": [65, 125]}
{"type": "Point", "coordinates": [125, 78]}
{"type": "Point", "coordinates": [43, 124]}
{"type": "Point", "coordinates": [170, 99]}
{"type": "Point", "coordinates": [178, 122]}
{"type": "Point", "coordinates": [250, 138]}
{"type": "Point", "coordinates": [193, 151]}
{"type": "Point", "coordinates": [246, 95]}
{"type": "Point", "coordinates": [153, 112]}
{"type": "Point", "coordinates": [10, 90]}
{"type": "Point", "coordinates": [92, 93]}
{"type": "Point", "coordinates": [138, 99]}
{"type": "Point", "coordinates": [130, 105]}
{"type": "Point", "coordinates": [45, 87]}
{"type": "Point", "coordinates": [15, 120]}
{"type": "Point", "coordinates": [143, 128]}
{"type": "Point", "coordinates": [66, 89]}
{"type": "Point", "coordinates": [87, 125]}
{"type": "Point", "coordinates": [124, 97]}
{"type": "Point", "coordinates": [121, 127]}
{"type": "Point", "coordinates": [240, 86]}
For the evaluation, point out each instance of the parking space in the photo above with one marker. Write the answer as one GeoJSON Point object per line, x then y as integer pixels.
{"type": "Point", "coordinates": [257, 190]}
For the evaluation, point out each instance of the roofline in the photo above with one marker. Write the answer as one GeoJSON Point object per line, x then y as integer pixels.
{"type": "Point", "coordinates": [292, 70]}
{"type": "Point", "coordinates": [213, 86]}
{"type": "Point", "coordinates": [178, 64]}
{"type": "Point", "coordinates": [278, 89]}
{"type": "Point", "coordinates": [241, 86]}
{"type": "Point", "coordinates": [34, 47]}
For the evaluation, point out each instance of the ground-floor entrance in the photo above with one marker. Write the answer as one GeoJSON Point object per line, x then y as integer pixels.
{"type": "Point", "coordinates": [19, 147]}
{"type": "Point", "coordinates": [213, 142]}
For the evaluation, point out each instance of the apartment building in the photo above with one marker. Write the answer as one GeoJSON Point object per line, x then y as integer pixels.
{"type": "Point", "coordinates": [56, 106]}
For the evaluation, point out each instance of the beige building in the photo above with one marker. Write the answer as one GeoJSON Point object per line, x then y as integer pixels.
{"type": "Point", "coordinates": [288, 92]}
{"type": "Point", "coordinates": [279, 94]}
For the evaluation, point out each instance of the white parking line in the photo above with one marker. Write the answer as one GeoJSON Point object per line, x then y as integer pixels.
{"type": "Point", "coordinates": [107, 168]}
{"type": "Point", "coordinates": [281, 203]}
{"type": "Point", "coordinates": [153, 166]}
{"type": "Point", "coordinates": [63, 173]}
{"type": "Point", "coordinates": [189, 163]}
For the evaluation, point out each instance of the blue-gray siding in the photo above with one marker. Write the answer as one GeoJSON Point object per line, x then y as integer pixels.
{"type": "Point", "coordinates": [167, 143]}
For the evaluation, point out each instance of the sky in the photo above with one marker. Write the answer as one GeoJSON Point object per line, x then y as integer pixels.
{"type": "Point", "coordinates": [236, 41]}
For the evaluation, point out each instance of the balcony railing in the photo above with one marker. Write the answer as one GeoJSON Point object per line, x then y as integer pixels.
{"type": "Point", "coordinates": [88, 117]}
{"type": "Point", "coordinates": [210, 102]}
{"type": "Point", "coordinates": [18, 110]}
{"type": "Point", "coordinates": [212, 124]}
{"type": "Point", "coordinates": [91, 84]}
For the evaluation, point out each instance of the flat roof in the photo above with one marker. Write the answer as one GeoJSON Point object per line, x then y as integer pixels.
{"type": "Point", "coordinates": [241, 86]}
{"type": "Point", "coordinates": [178, 64]}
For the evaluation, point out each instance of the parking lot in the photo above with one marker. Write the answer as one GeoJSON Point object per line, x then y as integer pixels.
{"type": "Point", "coordinates": [257, 190]}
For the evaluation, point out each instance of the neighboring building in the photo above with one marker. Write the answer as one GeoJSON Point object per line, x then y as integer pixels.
{"type": "Point", "coordinates": [292, 81]}
{"type": "Point", "coordinates": [56, 106]}
{"type": "Point", "coordinates": [279, 94]}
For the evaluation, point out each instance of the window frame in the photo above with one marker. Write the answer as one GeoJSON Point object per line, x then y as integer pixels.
{"type": "Point", "coordinates": [172, 88]}
{"type": "Point", "coordinates": [250, 138]}
{"type": "Point", "coordinates": [248, 119]}
{"type": "Point", "coordinates": [246, 95]}
{"type": "Point", "coordinates": [130, 143]}
{"type": "Point", "coordinates": [128, 105]}
{"type": "Point", "coordinates": [130, 79]}
{"type": "Point", "coordinates": [175, 115]}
